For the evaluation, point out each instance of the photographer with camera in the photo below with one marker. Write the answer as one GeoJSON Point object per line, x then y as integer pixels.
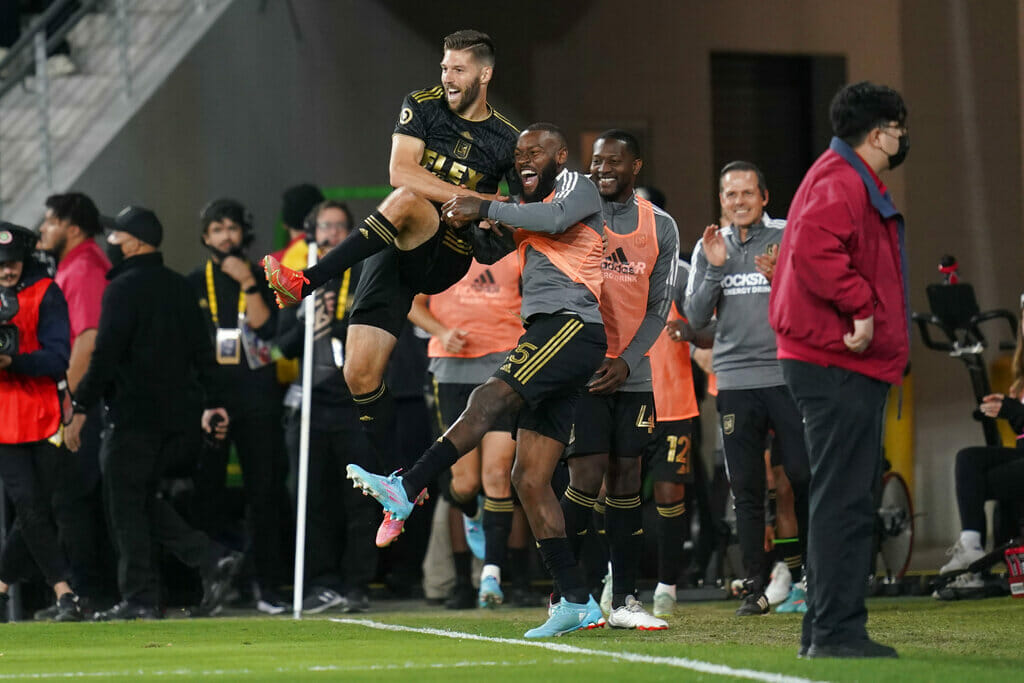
{"type": "Point", "coordinates": [34, 350]}
{"type": "Point", "coordinates": [150, 350]}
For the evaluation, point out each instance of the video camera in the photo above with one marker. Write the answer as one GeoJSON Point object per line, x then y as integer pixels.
{"type": "Point", "coordinates": [8, 332]}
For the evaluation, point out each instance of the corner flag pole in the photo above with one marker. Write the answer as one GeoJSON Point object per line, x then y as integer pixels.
{"type": "Point", "coordinates": [309, 305]}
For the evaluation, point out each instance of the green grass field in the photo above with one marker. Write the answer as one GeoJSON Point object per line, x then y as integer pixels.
{"type": "Point", "coordinates": [967, 641]}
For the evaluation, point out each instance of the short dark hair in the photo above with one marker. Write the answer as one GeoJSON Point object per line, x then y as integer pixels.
{"type": "Point", "coordinates": [477, 42]}
{"type": "Point", "coordinates": [78, 209]}
{"type": "Point", "coordinates": [762, 184]}
{"type": "Point", "coordinates": [626, 138]}
{"type": "Point", "coordinates": [230, 209]}
{"type": "Point", "coordinates": [314, 213]}
{"type": "Point", "coordinates": [859, 108]}
{"type": "Point", "coordinates": [547, 128]}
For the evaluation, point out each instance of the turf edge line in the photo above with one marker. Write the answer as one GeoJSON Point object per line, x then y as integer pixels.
{"type": "Point", "coordinates": [679, 662]}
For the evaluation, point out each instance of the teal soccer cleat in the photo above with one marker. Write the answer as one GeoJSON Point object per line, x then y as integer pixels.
{"type": "Point", "coordinates": [490, 594]}
{"type": "Point", "coordinates": [797, 600]}
{"type": "Point", "coordinates": [474, 528]}
{"type": "Point", "coordinates": [567, 617]}
{"type": "Point", "coordinates": [387, 491]}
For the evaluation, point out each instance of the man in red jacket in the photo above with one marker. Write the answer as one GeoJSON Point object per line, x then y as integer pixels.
{"type": "Point", "coordinates": [840, 307]}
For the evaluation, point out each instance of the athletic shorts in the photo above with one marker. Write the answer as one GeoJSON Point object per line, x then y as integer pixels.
{"type": "Point", "coordinates": [550, 366]}
{"type": "Point", "coordinates": [451, 400]}
{"type": "Point", "coordinates": [391, 278]}
{"type": "Point", "coordinates": [620, 424]}
{"type": "Point", "coordinates": [669, 454]}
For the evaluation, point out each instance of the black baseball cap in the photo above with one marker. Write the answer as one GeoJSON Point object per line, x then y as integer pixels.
{"type": "Point", "coordinates": [16, 242]}
{"type": "Point", "coordinates": [140, 223]}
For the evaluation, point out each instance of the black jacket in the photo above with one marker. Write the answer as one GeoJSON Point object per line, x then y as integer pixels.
{"type": "Point", "coordinates": [152, 354]}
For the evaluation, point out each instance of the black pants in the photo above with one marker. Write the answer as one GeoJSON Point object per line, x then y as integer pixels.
{"type": "Point", "coordinates": [843, 414]}
{"type": "Point", "coordinates": [259, 443]}
{"type": "Point", "coordinates": [341, 522]}
{"type": "Point", "coordinates": [132, 461]}
{"type": "Point", "coordinates": [28, 472]}
{"type": "Point", "coordinates": [987, 474]}
{"type": "Point", "coordinates": [747, 416]}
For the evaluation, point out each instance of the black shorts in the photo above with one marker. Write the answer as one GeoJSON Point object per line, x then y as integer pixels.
{"type": "Point", "coordinates": [620, 424]}
{"type": "Point", "coordinates": [551, 364]}
{"type": "Point", "coordinates": [669, 454]}
{"type": "Point", "coordinates": [392, 278]}
{"type": "Point", "coordinates": [451, 400]}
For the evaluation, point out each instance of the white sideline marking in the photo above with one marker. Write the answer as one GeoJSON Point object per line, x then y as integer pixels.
{"type": "Point", "coordinates": [408, 666]}
{"type": "Point", "coordinates": [679, 662]}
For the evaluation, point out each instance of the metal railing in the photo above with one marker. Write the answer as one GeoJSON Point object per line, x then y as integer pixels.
{"type": "Point", "coordinates": [28, 58]}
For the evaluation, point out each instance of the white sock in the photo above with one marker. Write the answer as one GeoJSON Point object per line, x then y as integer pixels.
{"type": "Point", "coordinates": [492, 570]}
{"type": "Point", "coordinates": [665, 588]}
{"type": "Point", "coordinates": [970, 539]}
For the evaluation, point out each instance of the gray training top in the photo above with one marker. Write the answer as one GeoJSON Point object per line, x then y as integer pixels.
{"type": "Point", "coordinates": [623, 219]}
{"type": "Point", "coordinates": [546, 289]}
{"type": "Point", "coordinates": [744, 350]}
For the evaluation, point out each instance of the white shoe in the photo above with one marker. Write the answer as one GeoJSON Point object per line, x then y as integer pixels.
{"type": "Point", "coordinates": [780, 585]}
{"type": "Point", "coordinates": [961, 558]}
{"type": "Point", "coordinates": [606, 593]}
{"type": "Point", "coordinates": [664, 604]}
{"type": "Point", "coordinates": [59, 66]}
{"type": "Point", "coordinates": [633, 615]}
{"type": "Point", "coordinates": [967, 586]}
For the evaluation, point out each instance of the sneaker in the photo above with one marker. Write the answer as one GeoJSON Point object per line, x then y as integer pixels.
{"type": "Point", "coordinates": [967, 586]}
{"type": "Point", "coordinates": [127, 611]}
{"type": "Point", "coordinates": [664, 604]}
{"type": "Point", "coordinates": [738, 588]}
{"type": "Point", "coordinates": [269, 602]}
{"type": "Point", "coordinates": [59, 66]}
{"type": "Point", "coordinates": [490, 594]}
{"type": "Point", "coordinates": [68, 608]}
{"type": "Point", "coordinates": [962, 558]}
{"type": "Point", "coordinates": [606, 592]}
{"type": "Point", "coordinates": [47, 613]}
{"type": "Point", "coordinates": [463, 596]}
{"type": "Point", "coordinates": [474, 527]}
{"type": "Point", "coordinates": [594, 611]}
{"type": "Point", "coordinates": [862, 649]}
{"type": "Point", "coordinates": [565, 618]}
{"type": "Point", "coordinates": [387, 491]}
{"type": "Point", "coordinates": [796, 601]}
{"type": "Point", "coordinates": [780, 584]}
{"type": "Point", "coordinates": [633, 615]}
{"type": "Point", "coordinates": [217, 584]}
{"type": "Point", "coordinates": [286, 283]}
{"type": "Point", "coordinates": [391, 528]}
{"type": "Point", "coordinates": [356, 601]}
{"type": "Point", "coordinates": [320, 600]}
{"type": "Point", "coordinates": [753, 605]}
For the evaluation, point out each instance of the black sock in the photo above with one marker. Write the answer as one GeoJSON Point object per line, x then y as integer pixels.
{"type": "Point", "coordinates": [577, 508]}
{"type": "Point", "coordinates": [625, 543]}
{"type": "Point", "coordinates": [600, 523]}
{"type": "Point", "coordinates": [497, 527]}
{"type": "Point", "coordinates": [670, 527]}
{"type": "Point", "coordinates": [377, 420]}
{"type": "Point", "coordinates": [441, 455]}
{"type": "Point", "coordinates": [467, 506]}
{"type": "Point", "coordinates": [560, 562]}
{"type": "Point", "coordinates": [372, 235]}
{"type": "Point", "coordinates": [788, 551]}
{"type": "Point", "coordinates": [463, 563]}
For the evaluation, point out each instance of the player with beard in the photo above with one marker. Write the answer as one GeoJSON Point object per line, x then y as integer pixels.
{"type": "Point", "coordinates": [615, 416]}
{"type": "Point", "coordinates": [557, 233]}
{"type": "Point", "coordinates": [448, 142]}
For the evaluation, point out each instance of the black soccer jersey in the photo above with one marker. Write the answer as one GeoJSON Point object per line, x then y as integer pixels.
{"type": "Point", "coordinates": [477, 154]}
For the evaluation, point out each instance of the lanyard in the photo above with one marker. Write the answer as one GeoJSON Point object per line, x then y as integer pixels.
{"type": "Point", "coordinates": [342, 304]}
{"type": "Point", "coordinates": [211, 296]}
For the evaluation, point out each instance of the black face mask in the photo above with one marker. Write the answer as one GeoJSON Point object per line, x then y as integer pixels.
{"type": "Point", "coordinates": [114, 253]}
{"type": "Point", "coordinates": [901, 152]}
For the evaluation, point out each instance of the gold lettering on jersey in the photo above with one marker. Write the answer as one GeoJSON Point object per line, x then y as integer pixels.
{"type": "Point", "coordinates": [462, 149]}
{"type": "Point", "coordinates": [472, 178]}
{"type": "Point", "coordinates": [457, 174]}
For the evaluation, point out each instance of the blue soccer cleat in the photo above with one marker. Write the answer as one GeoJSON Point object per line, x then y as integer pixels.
{"type": "Point", "coordinates": [387, 491]}
{"type": "Point", "coordinates": [567, 617]}
{"type": "Point", "coordinates": [474, 528]}
{"type": "Point", "coordinates": [797, 600]}
{"type": "Point", "coordinates": [490, 594]}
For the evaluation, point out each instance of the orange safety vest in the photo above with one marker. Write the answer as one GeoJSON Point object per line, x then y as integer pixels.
{"type": "Point", "coordinates": [672, 376]}
{"type": "Point", "coordinates": [485, 304]}
{"type": "Point", "coordinates": [576, 252]}
{"type": "Point", "coordinates": [626, 270]}
{"type": "Point", "coordinates": [29, 406]}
